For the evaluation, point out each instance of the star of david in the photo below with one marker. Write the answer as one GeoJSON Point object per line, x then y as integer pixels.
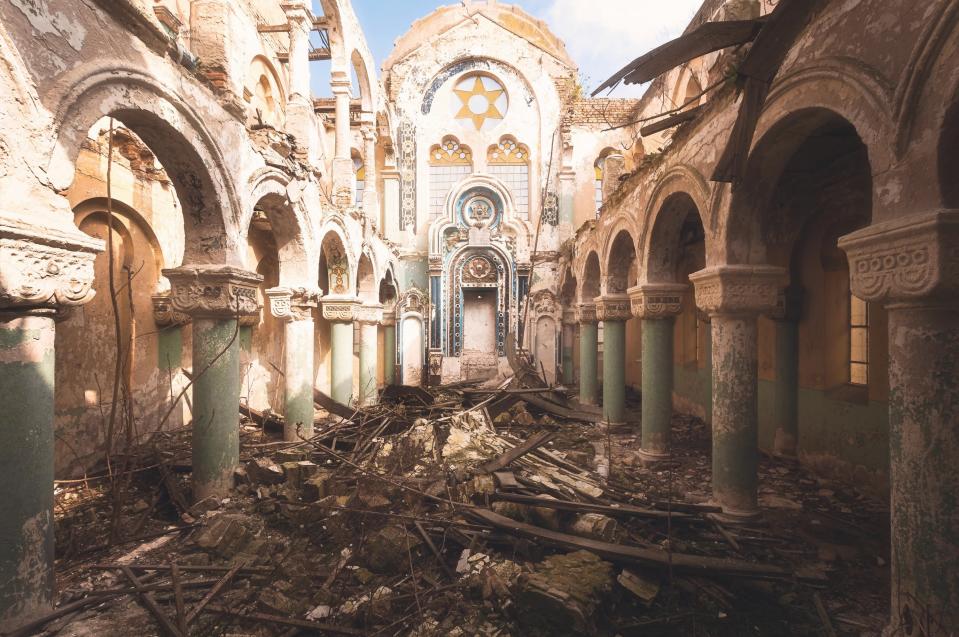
{"type": "Point", "coordinates": [474, 109]}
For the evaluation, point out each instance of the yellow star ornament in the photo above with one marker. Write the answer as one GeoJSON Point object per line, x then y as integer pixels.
{"type": "Point", "coordinates": [479, 104]}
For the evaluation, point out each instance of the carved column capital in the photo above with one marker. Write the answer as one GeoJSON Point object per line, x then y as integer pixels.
{"type": "Point", "coordinates": [586, 313]}
{"type": "Point", "coordinates": [389, 318]}
{"type": "Point", "coordinates": [339, 309]}
{"type": "Point", "coordinates": [298, 14]}
{"type": "Point", "coordinates": [46, 269]}
{"type": "Point", "coordinates": [214, 291]}
{"type": "Point", "coordinates": [738, 289]}
{"type": "Point", "coordinates": [292, 304]}
{"type": "Point", "coordinates": [906, 260]}
{"type": "Point", "coordinates": [368, 313]}
{"type": "Point", "coordinates": [164, 314]}
{"type": "Point", "coordinates": [657, 300]}
{"type": "Point", "coordinates": [613, 307]}
{"type": "Point", "coordinates": [569, 317]}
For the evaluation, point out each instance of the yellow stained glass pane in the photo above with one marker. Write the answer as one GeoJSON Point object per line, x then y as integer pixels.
{"type": "Point", "coordinates": [858, 374]}
{"type": "Point", "coordinates": [859, 345]}
{"type": "Point", "coordinates": [858, 311]}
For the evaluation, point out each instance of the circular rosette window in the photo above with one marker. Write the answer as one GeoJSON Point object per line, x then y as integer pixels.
{"type": "Point", "coordinates": [479, 102]}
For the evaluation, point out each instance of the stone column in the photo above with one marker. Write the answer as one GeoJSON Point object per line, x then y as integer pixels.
{"type": "Point", "coordinates": [588, 351]}
{"type": "Point", "coordinates": [786, 404]}
{"type": "Point", "coordinates": [912, 265]}
{"type": "Point", "coordinates": [569, 337]}
{"type": "Point", "coordinates": [39, 273]}
{"type": "Point", "coordinates": [216, 297]}
{"type": "Point", "coordinates": [389, 348]}
{"type": "Point", "coordinates": [300, 19]}
{"type": "Point", "coordinates": [295, 308]}
{"type": "Point", "coordinates": [371, 203]}
{"type": "Point", "coordinates": [735, 296]}
{"type": "Point", "coordinates": [339, 311]}
{"type": "Point", "coordinates": [342, 162]}
{"type": "Point", "coordinates": [614, 310]}
{"type": "Point", "coordinates": [369, 317]}
{"type": "Point", "coordinates": [658, 305]}
{"type": "Point", "coordinates": [567, 195]}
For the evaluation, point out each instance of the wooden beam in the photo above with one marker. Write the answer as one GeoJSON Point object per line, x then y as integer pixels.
{"type": "Point", "coordinates": [671, 121]}
{"type": "Point", "coordinates": [275, 28]}
{"type": "Point", "coordinates": [319, 55]}
{"type": "Point", "coordinates": [710, 37]}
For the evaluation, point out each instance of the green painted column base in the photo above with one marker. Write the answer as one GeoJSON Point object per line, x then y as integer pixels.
{"type": "Point", "coordinates": [26, 467]}
{"type": "Point", "coordinates": [389, 354]}
{"type": "Point", "coordinates": [368, 389]}
{"type": "Point", "coordinates": [216, 394]}
{"type": "Point", "coordinates": [341, 362]}
{"type": "Point", "coordinates": [588, 350]}
{"type": "Point", "coordinates": [657, 388]}
{"type": "Point", "coordinates": [614, 372]}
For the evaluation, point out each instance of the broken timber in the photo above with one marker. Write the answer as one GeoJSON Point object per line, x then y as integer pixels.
{"type": "Point", "coordinates": [622, 510]}
{"type": "Point", "coordinates": [537, 440]}
{"type": "Point", "coordinates": [671, 121]}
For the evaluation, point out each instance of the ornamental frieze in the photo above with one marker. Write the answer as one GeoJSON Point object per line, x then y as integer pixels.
{"type": "Point", "coordinates": [657, 300]}
{"type": "Point", "coordinates": [738, 289]}
{"type": "Point", "coordinates": [214, 291]}
{"type": "Point", "coordinates": [586, 313]}
{"type": "Point", "coordinates": [368, 314]}
{"type": "Point", "coordinates": [909, 258]}
{"type": "Point", "coordinates": [292, 304]}
{"type": "Point", "coordinates": [34, 273]}
{"type": "Point", "coordinates": [614, 308]}
{"type": "Point", "coordinates": [341, 311]}
{"type": "Point", "coordinates": [164, 314]}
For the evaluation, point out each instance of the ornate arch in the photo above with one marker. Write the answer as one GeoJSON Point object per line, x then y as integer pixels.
{"type": "Point", "coordinates": [479, 267]}
{"type": "Point", "coordinates": [293, 233]}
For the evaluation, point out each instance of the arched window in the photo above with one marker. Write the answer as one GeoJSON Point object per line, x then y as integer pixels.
{"type": "Point", "coordinates": [858, 341]}
{"type": "Point", "coordinates": [509, 161]}
{"type": "Point", "coordinates": [359, 173]}
{"type": "Point", "coordinates": [450, 163]}
{"type": "Point", "coordinates": [600, 172]}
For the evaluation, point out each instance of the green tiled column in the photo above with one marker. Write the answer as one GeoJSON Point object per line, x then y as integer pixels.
{"type": "Point", "coordinates": [588, 354]}
{"type": "Point", "coordinates": [368, 318]}
{"type": "Point", "coordinates": [340, 312]}
{"type": "Point", "coordinates": [389, 349]}
{"type": "Point", "coordinates": [614, 310]}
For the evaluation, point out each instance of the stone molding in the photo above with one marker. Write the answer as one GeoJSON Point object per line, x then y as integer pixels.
{"type": "Point", "coordinates": [45, 268]}
{"type": "Point", "coordinates": [613, 307]}
{"type": "Point", "coordinates": [164, 313]}
{"type": "Point", "coordinates": [292, 304]}
{"type": "Point", "coordinates": [389, 318]}
{"type": "Point", "coordinates": [214, 291]}
{"type": "Point", "coordinates": [371, 313]}
{"type": "Point", "coordinates": [906, 260]}
{"type": "Point", "coordinates": [738, 289]}
{"type": "Point", "coordinates": [586, 313]}
{"type": "Point", "coordinates": [657, 300]}
{"type": "Point", "coordinates": [569, 317]}
{"type": "Point", "coordinates": [339, 310]}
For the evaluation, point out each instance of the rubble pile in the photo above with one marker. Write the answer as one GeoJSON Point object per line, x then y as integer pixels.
{"type": "Point", "coordinates": [462, 511]}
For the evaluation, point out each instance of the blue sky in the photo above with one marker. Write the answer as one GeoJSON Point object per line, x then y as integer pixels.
{"type": "Point", "coordinates": [601, 36]}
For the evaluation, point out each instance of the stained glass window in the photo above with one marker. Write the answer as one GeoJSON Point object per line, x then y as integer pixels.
{"type": "Point", "coordinates": [450, 163]}
{"type": "Point", "coordinates": [479, 101]}
{"type": "Point", "coordinates": [509, 161]}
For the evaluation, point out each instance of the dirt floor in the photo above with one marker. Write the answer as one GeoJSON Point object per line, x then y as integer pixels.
{"type": "Point", "coordinates": [409, 520]}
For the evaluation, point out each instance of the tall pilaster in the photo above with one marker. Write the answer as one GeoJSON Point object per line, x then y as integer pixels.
{"type": "Point", "coordinates": [912, 266]}
{"type": "Point", "coordinates": [658, 305]}
{"type": "Point", "coordinates": [371, 201]}
{"type": "Point", "coordinates": [734, 296]}
{"type": "Point", "coordinates": [588, 353]}
{"type": "Point", "coordinates": [389, 348]}
{"type": "Point", "coordinates": [216, 297]}
{"type": "Point", "coordinates": [786, 404]}
{"type": "Point", "coordinates": [568, 341]}
{"type": "Point", "coordinates": [295, 307]}
{"type": "Point", "coordinates": [342, 162]}
{"type": "Point", "coordinates": [39, 274]}
{"type": "Point", "coordinates": [567, 194]}
{"type": "Point", "coordinates": [339, 311]}
{"type": "Point", "coordinates": [300, 116]}
{"type": "Point", "coordinates": [368, 316]}
{"type": "Point", "coordinates": [614, 310]}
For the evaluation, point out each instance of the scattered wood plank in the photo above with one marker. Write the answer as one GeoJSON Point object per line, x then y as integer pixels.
{"type": "Point", "coordinates": [217, 588]}
{"type": "Point", "coordinates": [617, 553]}
{"type": "Point", "coordinates": [537, 440]}
{"type": "Point", "coordinates": [246, 570]}
{"type": "Point", "coordinates": [823, 616]}
{"type": "Point", "coordinates": [270, 422]}
{"type": "Point", "coordinates": [624, 510]}
{"type": "Point", "coordinates": [151, 605]}
{"type": "Point", "coordinates": [406, 392]}
{"type": "Point", "coordinates": [320, 627]}
{"type": "Point", "coordinates": [671, 121]}
{"type": "Point", "coordinates": [436, 552]}
{"type": "Point", "coordinates": [330, 405]}
{"type": "Point", "coordinates": [178, 598]}
{"type": "Point", "coordinates": [710, 37]}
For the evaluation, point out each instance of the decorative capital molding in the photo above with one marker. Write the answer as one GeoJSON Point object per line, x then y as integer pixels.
{"type": "Point", "coordinates": [292, 304]}
{"type": "Point", "coordinates": [738, 289]}
{"type": "Point", "coordinates": [164, 314]}
{"type": "Point", "coordinates": [46, 268]}
{"type": "Point", "coordinates": [389, 318]}
{"type": "Point", "coordinates": [569, 317]}
{"type": "Point", "coordinates": [613, 307]}
{"type": "Point", "coordinates": [657, 300]}
{"type": "Point", "coordinates": [586, 313]}
{"type": "Point", "coordinates": [906, 260]}
{"type": "Point", "coordinates": [368, 313]}
{"type": "Point", "coordinates": [339, 309]}
{"type": "Point", "coordinates": [216, 291]}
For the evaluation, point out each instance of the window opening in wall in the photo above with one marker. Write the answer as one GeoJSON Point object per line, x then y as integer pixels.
{"type": "Point", "coordinates": [359, 172]}
{"type": "Point", "coordinates": [858, 341]}
{"type": "Point", "coordinates": [600, 169]}
{"type": "Point", "coordinates": [509, 162]}
{"type": "Point", "coordinates": [450, 163]}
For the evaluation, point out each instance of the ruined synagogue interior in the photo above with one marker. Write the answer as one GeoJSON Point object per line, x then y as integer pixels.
{"type": "Point", "coordinates": [298, 339]}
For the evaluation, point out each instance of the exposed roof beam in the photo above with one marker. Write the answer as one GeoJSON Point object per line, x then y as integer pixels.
{"type": "Point", "coordinates": [671, 121]}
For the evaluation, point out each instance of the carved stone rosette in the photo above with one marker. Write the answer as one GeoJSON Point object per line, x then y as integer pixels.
{"type": "Point", "coordinates": [292, 304]}
{"type": "Point", "coordinates": [215, 291]}
{"type": "Point", "coordinates": [47, 269]}
{"type": "Point", "coordinates": [164, 314]}
{"type": "Point", "coordinates": [905, 260]}
{"type": "Point", "coordinates": [738, 289]}
{"type": "Point", "coordinates": [613, 307]}
{"type": "Point", "coordinates": [657, 300]}
{"type": "Point", "coordinates": [339, 310]}
{"type": "Point", "coordinates": [371, 313]}
{"type": "Point", "coordinates": [586, 313]}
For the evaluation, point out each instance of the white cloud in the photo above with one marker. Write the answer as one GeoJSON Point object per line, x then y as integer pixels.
{"type": "Point", "coordinates": [602, 36]}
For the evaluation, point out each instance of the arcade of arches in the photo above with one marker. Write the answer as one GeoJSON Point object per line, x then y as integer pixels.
{"type": "Point", "coordinates": [185, 227]}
